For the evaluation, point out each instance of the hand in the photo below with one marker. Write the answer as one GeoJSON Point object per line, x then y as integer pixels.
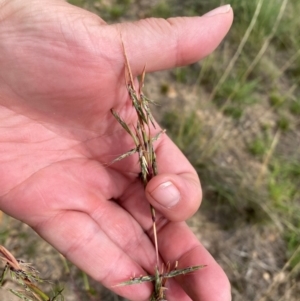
{"type": "Point", "coordinates": [61, 71]}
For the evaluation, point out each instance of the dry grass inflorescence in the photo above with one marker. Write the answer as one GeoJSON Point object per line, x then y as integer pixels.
{"type": "Point", "coordinates": [143, 141]}
{"type": "Point", "coordinates": [235, 115]}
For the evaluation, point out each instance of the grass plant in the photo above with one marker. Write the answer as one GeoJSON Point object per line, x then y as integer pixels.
{"type": "Point", "coordinates": [26, 276]}
{"type": "Point", "coordinates": [143, 145]}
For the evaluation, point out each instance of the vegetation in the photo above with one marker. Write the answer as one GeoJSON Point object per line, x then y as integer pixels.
{"type": "Point", "coordinates": [252, 175]}
{"type": "Point", "coordinates": [242, 133]}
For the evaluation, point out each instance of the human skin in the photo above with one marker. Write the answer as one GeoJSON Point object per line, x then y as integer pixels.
{"type": "Point", "coordinates": [61, 71]}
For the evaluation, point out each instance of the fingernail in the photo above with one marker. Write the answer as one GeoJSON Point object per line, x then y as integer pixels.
{"type": "Point", "coordinates": [219, 10]}
{"type": "Point", "coordinates": [166, 194]}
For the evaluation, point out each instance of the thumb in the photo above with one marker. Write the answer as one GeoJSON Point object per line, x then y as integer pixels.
{"type": "Point", "coordinates": [166, 43]}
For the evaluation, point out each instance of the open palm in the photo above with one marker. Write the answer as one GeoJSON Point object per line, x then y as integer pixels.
{"type": "Point", "coordinates": [61, 71]}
